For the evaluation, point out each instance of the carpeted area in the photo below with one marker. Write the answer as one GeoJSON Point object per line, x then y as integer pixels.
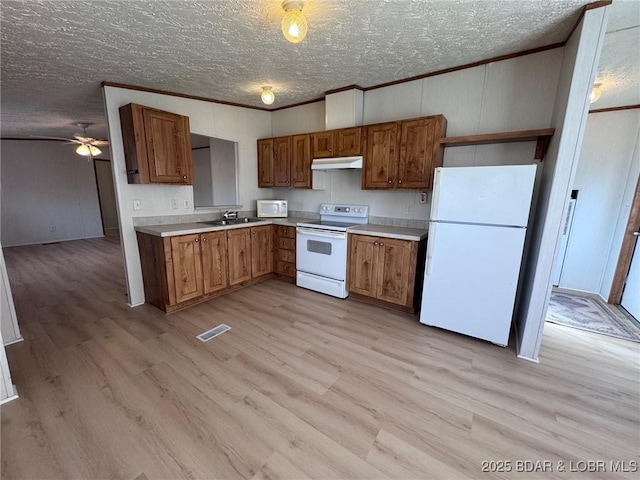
{"type": "Point", "coordinates": [592, 315]}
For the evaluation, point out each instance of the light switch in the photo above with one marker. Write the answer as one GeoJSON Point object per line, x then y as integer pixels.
{"type": "Point", "coordinates": [174, 203]}
{"type": "Point", "coordinates": [137, 204]}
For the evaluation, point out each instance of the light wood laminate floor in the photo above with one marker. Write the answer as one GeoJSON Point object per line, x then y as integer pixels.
{"type": "Point", "coordinates": [302, 386]}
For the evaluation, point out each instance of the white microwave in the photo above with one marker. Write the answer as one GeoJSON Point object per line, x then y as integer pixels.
{"type": "Point", "coordinates": [272, 208]}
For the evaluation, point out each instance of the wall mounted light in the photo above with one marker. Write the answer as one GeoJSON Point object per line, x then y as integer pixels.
{"type": "Point", "coordinates": [595, 93]}
{"type": "Point", "coordinates": [267, 96]}
{"type": "Point", "coordinates": [294, 25]}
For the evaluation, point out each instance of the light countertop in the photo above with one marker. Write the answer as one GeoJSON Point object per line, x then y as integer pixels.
{"type": "Point", "coordinates": [176, 229]}
{"type": "Point", "coordinates": [387, 231]}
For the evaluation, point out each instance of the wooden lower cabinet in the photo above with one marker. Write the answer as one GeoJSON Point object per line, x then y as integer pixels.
{"type": "Point", "coordinates": [239, 254]}
{"type": "Point", "coordinates": [214, 261]}
{"type": "Point", "coordinates": [184, 270]}
{"type": "Point", "coordinates": [261, 250]}
{"type": "Point", "coordinates": [187, 267]}
{"type": "Point", "coordinates": [285, 251]}
{"type": "Point", "coordinates": [383, 269]}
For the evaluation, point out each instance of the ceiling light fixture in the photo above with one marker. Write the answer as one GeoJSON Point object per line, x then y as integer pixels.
{"type": "Point", "coordinates": [86, 150]}
{"type": "Point", "coordinates": [294, 25]}
{"type": "Point", "coordinates": [595, 93]}
{"type": "Point", "coordinates": [267, 96]}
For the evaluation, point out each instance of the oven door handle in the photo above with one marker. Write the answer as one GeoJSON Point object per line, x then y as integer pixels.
{"type": "Point", "coordinates": [316, 232]}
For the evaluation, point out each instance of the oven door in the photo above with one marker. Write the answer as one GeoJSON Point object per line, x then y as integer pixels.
{"type": "Point", "coordinates": [322, 252]}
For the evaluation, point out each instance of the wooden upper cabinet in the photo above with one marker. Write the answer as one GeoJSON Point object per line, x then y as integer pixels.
{"type": "Point", "coordinates": [345, 142]}
{"type": "Point", "coordinates": [380, 160]}
{"type": "Point", "coordinates": [239, 255]}
{"type": "Point", "coordinates": [214, 261]}
{"type": "Point", "coordinates": [348, 142]}
{"type": "Point", "coordinates": [157, 145]}
{"type": "Point", "coordinates": [282, 162]}
{"type": "Point", "coordinates": [261, 250]}
{"type": "Point", "coordinates": [323, 144]}
{"type": "Point", "coordinates": [301, 161]}
{"type": "Point", "coordinates": [420, 152]}
{"type": "Point", "coordinates": [265, 163]}
{"type": "Point", "coordinates": [187, 267]}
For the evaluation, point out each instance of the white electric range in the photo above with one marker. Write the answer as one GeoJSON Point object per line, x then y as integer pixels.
{"type": "Point", "coordinates": [321, 248]}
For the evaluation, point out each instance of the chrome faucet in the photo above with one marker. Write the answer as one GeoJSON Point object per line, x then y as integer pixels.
{"type": "Point", "coordinates": [227, 215]}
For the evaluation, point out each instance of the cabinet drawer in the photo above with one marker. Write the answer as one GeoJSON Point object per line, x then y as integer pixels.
{"type": "Point", "coordinates": [286, 243]}
{"type": "Point", "coordinates": [287, 232]}
{"type": "Point", "coordinates": [286, 268]}
{"type": "Point", "coordinates": [286, 255]}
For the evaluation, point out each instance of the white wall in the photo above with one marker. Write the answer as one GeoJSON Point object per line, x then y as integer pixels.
{"type": "Point", "coordinates": [632, 179]}
{"type": "Point", "coordinates": [107, 194]}
{"type": "Point", "coordinates": [223, 171]}
{"type": "Point", "coordinates": [48, 193]}
{"type": "Point", "coordinates": [604, 168]}
{"type": "Point", "coordinates": [242, 125]}
{"type": "Point", "coordinates": [578, 71]}
{"type": "Point", "coordinates": [515, 94]}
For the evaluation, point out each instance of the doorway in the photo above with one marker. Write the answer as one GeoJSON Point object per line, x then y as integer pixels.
{"type": "Point", "coordinates": [625, 290]}
{"type": "Point", "coordinates": [106, 196]}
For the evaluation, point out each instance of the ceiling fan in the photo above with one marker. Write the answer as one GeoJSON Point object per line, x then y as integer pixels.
{"type": "Point", "coordinates": [87, 146]}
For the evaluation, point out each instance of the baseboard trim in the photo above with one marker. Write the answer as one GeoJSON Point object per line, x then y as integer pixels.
{"type": "Point", "coordinates": [529, 359]}
{"type": "Point", "coordinates": [17, 340]}
{"type": "Point", "coordinates": [47, 242]}
{"type": "Point", "coordinates": [133, 305]}
{"type": "Point", "coordinates": [580, 293]}
{"type": "Point", "coordinates": [8, 399]}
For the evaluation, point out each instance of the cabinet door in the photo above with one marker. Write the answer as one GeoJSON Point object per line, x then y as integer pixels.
{"type": "Point", "coordinates": [214, 261]}
{"type": "Point", "coordinates": [261, 250]}
{"type": "Point", "coordinates": [348, 142]}
{"type": "Point", "coordinates": [301, 161]}
{"type": "Point", "coordinates": [418, 148]}
{"type": "Point", "coordinates": [265, 163]}
{"type": "Point", "coordinates": [323, 144]}
{"type": "Point", "coordinates": [187, 267]}
{"type": "Point", "coordinates": [168, 147]}
{"type": "Point", "coordinates": [282, 162]}
{"type": "Point", "coordinates": [396, 270]}
{"type": "Point", "coordinates": [239, 255]}
{"type": "Point", "coordinates": [380, 160]}
{"type": "Point", "coordinates": [363, 253]}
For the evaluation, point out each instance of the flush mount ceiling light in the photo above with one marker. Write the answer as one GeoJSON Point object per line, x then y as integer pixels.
{"type": "Point", "coordinates": [294, 25]}
{"type": "Point", "coordinates": [267, 96]}
{"type": "Point", "coordinates": [595, 93]}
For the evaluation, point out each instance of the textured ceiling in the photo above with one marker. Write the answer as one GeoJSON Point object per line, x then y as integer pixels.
{"type": "Point", "coordinates": [56, 53]}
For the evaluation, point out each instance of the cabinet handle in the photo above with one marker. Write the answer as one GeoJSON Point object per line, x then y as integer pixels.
{"type": "Point", "coordinates": [381, 244]}
{"type": "Point", "coordinates": [203, 240]}
{"type": "Point", "coordinates": [197, 240]}
{"type": "Point", "coordinates": [184, 177]}
{"type": "Point", "coordinates": [375, 243]}
{"type": "Point", "coordinates": [390, 181]}
{"type": "Point", "coordinates": [399, 181]}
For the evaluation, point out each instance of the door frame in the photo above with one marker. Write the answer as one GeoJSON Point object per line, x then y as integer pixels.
{"type": "Point", "coordinates": [626, 250]}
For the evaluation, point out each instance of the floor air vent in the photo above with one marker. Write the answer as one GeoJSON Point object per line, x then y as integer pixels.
{"type": "Point", "coordinates": [214, 332]}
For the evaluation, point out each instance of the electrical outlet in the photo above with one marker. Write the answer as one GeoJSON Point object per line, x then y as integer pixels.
{"type": "Point", "coordinates": [423, 197]}
{"type": "Point", "coordinates": [174, 203]}
{"type": "Point", "coordinates": [52, 228]}
{"type": "Point", "coordinates": [186, 204]}
{"type": "Point", "coordinates": [137, 204]}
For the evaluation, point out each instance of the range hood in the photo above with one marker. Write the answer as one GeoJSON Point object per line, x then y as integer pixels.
{"type": "Point", "coordinates": [338, 163]}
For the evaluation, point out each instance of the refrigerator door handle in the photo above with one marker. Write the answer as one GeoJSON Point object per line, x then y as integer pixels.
{"type": "Point", "coordinates": [430, 241]}
{"type": "Point", "coordinates": [435, 196]}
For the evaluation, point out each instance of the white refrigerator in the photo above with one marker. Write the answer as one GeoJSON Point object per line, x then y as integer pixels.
{"type": "Point", "coordinates": [476, 238]}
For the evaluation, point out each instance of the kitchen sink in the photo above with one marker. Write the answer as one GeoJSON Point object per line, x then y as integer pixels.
{"type": "Point", "coordinates": [231, 221]}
